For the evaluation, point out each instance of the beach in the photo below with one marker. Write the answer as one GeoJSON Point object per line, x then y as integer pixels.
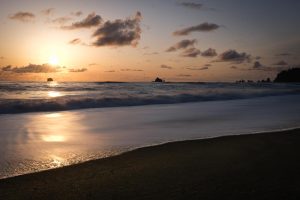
{"type": "Point", "coordinates": [150, 100]}
{"type": "Point", "coordinates": [255, 166]}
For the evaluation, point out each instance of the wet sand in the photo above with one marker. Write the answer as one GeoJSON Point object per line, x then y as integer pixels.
{"type": "Point", "coordinates": [258, 166]}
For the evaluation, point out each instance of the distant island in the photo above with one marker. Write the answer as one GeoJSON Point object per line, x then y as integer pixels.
{"type": "Point", "coordinates": [288, 76]}
{"type": "Point", "coordinates": [285, 76]}
{"type": "Point", "coordinates": [159, 80]}
{"type": "Point", "coordinates": [49, 79]}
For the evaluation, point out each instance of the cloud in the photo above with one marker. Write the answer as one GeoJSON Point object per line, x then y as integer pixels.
{"type": "Point", "coordinates": [234, 57]}
{"type": "Point", "coordinates": [191, 52]}
{"type": "Point", "coordinates": [197, 68]}
{"type": "Point", "coordinates": [166, 67]}
{"type": "Point", "coordinates": [131, 70]}
{"type": "Point", "coordinates": [233, 67]}
{"type": "Point", "coordinates": [90, 21]}
{"type": "Point", "coordinates": [78, 70]}
{"type": "Point", "coordinates": [75, 41]}
{"type": "Point", "coordinates": [32, 68]}
{"type": "Point", "coordinates": [23, 16]}
{"type": "Point", "coordinates": [48, 11]}
{"type": "Point", "coordinates": [183, 44]}
{"type": "Point", "coordinates": [204, 27]}
{"type": "Point", "coordinates": [282, 62]}
{"type": "Point", "coordinates": [110, 71]}
{"type": "Point", "coordinates": [257, 65]}
{"type": "Point", "coordinates": [152, 53]}
{"type": "Point", "coordinates": [77, 13]}
{"type": "Point", "coordinates": [192, 5]}
{"type": "Point", "coordinates": [207, 65]}
{"type": "Point", "coordinates": [209, 53]}
{"type": "Point", "coordinates": [119, 32]}
{"type": "Point", "coordinates": [1, 57]}
{"type": "Point", "coordinates": [284, 54]}
{"type": "Point", "coordinates": [61, 20]}
{"type": "Point", "coordinates": [184, 75]}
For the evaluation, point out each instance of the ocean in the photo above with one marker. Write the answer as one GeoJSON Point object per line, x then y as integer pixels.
{"type": "Point", "coordinates": [21, 97]}
{"type": "Point", "coordinates": [49, 125]}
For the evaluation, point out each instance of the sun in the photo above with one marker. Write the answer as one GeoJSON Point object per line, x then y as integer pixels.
{"type": "Point", "coordinates": [53, 60]}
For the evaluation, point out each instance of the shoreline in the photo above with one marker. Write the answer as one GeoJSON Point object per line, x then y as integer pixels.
{"type": "Point", "coordinates": [194, 162]}
{"type": "Point", "coordinates": [157, 144]}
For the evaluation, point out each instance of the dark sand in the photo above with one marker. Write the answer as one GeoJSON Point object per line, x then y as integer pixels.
{"type": "Point", "coordinates": [260, 166]}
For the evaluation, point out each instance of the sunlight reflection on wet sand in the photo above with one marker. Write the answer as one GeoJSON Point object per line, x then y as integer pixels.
{"type": "Point", "coordinates": [49, 140]}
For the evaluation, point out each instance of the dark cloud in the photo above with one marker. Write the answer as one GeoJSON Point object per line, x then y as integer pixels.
{"type": "Point", "coordinates": [234, 57]}
{"type": "Point", "coordinates": [78, 70]}
{"type": "Point", "coordinates": [258, 58]}
{"type": "Point", "coordinates": [61, 20]}
{"type": "Point", "coordinates": [48, 11]}
{"type": "Point", "coordinates": [257, 65]}
{"type": "Point", "coordinates": [282, 62]}
{"type": "Point", "coordinates": [110, 71]}
{"type": "Point", "coordinates": [119, 32]}
{"type": "Point", "coordinates": [90, 21]}
{"type": "Point", "coordinates": [183, 44]}
{"type": "Point", "coordinates": [23, 16]}
{"type": "Point", "coordinates": [7, 68]}
{"type": "Point", "coordinates": [1, 57]}
{"type": "Point", "coordinates": [233, 67]}
{"type": "Point", "coordinates": [166, 67]}
{"type": "Point", "coordinates": [204, 27]}
{"type": "Point", "coordinates": [191, 5]}
{"type": "Point", "coordinates": [75, 41]}
{"type": "Point", "coordinates": [131, 70]}
{"type": "Point", "coordinates": [77, 13]}
{"type": "Point", "coordinates": [207, 65]}
{"type": "Point", "coordinates": [209, 53]}
{"type": "Point", "coordinates": [32, 68]}
{"type": "Point", "coordinates": [191, 52]}
{"type": "Point", "coordinates": [197, 68]}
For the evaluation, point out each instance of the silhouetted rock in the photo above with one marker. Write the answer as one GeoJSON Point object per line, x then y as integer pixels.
{"type": "Point", "coordinates": [240, 81]}
{"type": "Point", "coordinates": [49, 79]}
{"type": "Point", "coordinates": [291, 75]}
{"type": "Point", "coordinates": [159, 80]}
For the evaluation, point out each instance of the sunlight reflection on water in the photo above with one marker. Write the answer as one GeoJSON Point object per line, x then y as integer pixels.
{"type": "Point", "coordinates": [54, 94]}
{"type": "Point", "coordinates": [53, 84]}
{"type": "Point", "coordinates": [53, 138]}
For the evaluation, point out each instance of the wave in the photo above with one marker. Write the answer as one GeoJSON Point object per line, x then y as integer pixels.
{"type": "Point", "coordinates": [79, 102]}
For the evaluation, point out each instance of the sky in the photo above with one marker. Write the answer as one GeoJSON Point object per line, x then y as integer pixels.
{"type": "Point", "coordinates": [139, 40]}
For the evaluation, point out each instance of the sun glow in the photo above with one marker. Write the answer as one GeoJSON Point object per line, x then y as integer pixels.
{"type": "Point", "coordinates": [53, 138]}
{"type": "Point", "coordinates": [53, 60]}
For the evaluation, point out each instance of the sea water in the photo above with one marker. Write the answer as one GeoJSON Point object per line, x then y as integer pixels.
{"type": "Point", "coordinates": [44, 125]}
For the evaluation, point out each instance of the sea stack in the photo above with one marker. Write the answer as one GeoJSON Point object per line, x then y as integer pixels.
{"type": "Point", "coordinates": [159, 80]}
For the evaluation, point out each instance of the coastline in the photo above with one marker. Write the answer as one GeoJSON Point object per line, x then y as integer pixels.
{"type": "Point", "coordinates": [260, 166]}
